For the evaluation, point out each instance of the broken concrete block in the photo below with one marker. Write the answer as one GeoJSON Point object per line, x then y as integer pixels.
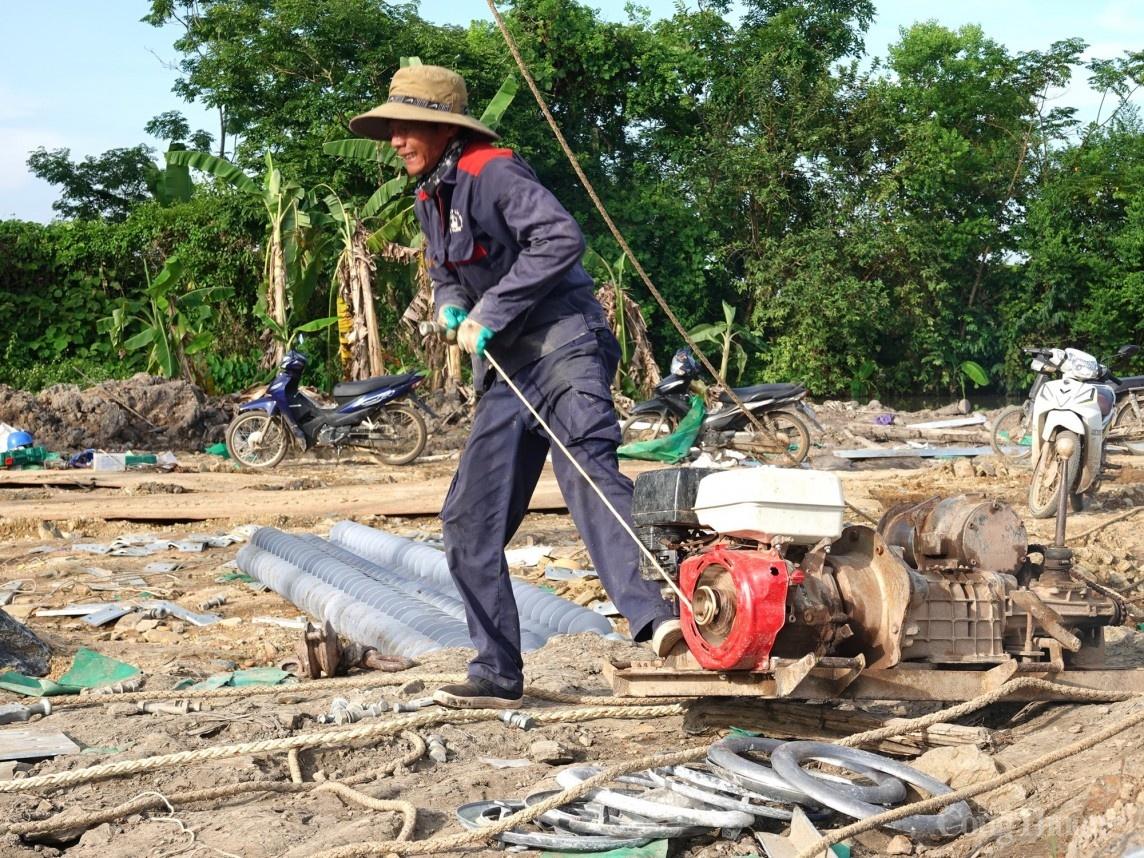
{"type": "Point", "coordinates": [20, 649]}
{"type": "Point", "coordinates": [548, 751]}
{"type": "Point", "coordinates": [964, 765]}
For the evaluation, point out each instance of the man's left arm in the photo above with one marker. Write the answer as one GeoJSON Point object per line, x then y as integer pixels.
{"type": "Point", "coordinates": [550, 243]}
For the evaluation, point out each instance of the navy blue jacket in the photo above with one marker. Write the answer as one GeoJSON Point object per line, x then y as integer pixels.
{"type": "Point", "coordinates": [500, 245]}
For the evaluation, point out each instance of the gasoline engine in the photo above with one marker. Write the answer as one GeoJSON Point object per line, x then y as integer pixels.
{"type": "Point", "coordinates": [770, 572]}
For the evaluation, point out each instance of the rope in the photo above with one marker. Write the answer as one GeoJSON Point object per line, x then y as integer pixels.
{"type": "Point", "coordinates": [344, 683]}
{"type": "Point", "coordinates": [439, 845]}
{"type": "Point", "coordinates": [683, 600]}
{"type": "Point", "coordinates": [340, 683]}
{"type": "Point", "coordinates": [295, 766]}
{"type": "Point", "coordinates": [934, 804]}
{"type": "Point", "coordinates": [324, 739]}
{"type": "Point", "coordinates": [1088, 695]}
{"type": "Point", "coordinates": [69, 820]}
{"type": "Point", "coordinates": [616, 234]}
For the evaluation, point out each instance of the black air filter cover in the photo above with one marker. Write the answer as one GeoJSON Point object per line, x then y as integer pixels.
{"type": "Point", "coordinates": [667, 497]}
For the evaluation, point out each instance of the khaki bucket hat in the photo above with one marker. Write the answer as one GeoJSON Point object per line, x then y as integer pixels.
{"type": "Point", "coordinates": [421, 94]}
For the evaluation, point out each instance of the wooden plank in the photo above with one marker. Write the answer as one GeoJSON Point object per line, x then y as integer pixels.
{"type": "Point", "coordinates": [913, 452]}
{"type": "Point", "coordinates": [975, 420]}
{"type": "Point", "coordinates": [30, 743]}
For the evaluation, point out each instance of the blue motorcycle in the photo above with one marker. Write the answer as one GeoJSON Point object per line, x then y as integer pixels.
{"type": "Point", "coordinates": [371, 415]}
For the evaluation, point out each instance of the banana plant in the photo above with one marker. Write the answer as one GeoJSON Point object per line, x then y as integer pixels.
{"type": "Point", "coordinates": [730, 338]}
{"type": "Point", "coordinates": [170, 322]}
{"type": "Point", "coordinates": [289, 271]}
{"type": "Point", "coordinates": [172, 184]}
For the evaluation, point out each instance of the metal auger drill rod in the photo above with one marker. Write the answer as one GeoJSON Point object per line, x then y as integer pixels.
{"type": "Point", "coordinates": [433, 327]}
{"type": "Point", "coordinates": [1064, 447]}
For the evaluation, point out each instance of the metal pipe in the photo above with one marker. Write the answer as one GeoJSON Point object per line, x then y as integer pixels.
{"type": "Point", "coordinates": [415, 613]}
{"type": "Point", "coordinates": [532, 635]}
{"type": "Point", "coordinates": [349, 617]}
{"type": "Point", "coordinates": [397, 553]}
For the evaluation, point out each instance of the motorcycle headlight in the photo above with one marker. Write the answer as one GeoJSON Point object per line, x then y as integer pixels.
{"type": "Point", "coordinates": [1081, 366]}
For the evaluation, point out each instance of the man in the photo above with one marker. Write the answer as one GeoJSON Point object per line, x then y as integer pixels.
{"type": "Point", "coordinates": [504, 257]}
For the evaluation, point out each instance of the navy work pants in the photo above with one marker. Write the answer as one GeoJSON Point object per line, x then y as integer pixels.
{"type": "Point", "coordinates": [494, 482]}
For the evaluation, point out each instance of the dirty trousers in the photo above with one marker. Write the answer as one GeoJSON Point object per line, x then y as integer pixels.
{"type": "Point", "coordinates": [498, 471]}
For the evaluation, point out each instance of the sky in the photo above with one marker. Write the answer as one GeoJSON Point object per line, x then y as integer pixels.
{"type": "Point", "coordinates": [89, 75]}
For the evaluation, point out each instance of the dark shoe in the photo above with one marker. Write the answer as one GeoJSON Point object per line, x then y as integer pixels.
{"type": "Point", "coordinates": [666, 636]}
{"type": "Point", "coordinates": [477, 693]}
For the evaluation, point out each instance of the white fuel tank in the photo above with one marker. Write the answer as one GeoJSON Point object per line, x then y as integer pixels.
{"type": "Point", "coordinates": [762, 503]}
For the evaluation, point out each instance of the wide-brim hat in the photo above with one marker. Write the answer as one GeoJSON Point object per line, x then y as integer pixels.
{"type": "Point", "coordinates": [422, 94]}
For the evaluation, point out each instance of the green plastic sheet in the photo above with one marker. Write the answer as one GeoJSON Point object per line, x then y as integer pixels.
{"type": "Point", "coordinates": [670, 448]}
{"type": "Point", "coordinates": [655, 849]}
{"type": "Point", "coordinates": [89, 669]}
{"type": "Point", "coordinates": [236, 678]}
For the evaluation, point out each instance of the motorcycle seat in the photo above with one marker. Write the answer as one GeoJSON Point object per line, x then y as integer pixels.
{"type": "Point", "coordinates": [763, 391]}
{"type": "Point", "coordinates": [1130, 382]}
{"type": "Point", "coordinates": [349, 389]}
{"type": "Point", "coordinates": [1105, 398]}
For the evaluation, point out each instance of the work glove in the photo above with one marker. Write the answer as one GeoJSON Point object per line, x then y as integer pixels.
{"type": "Point", "coordinates": [472, 337]}
{"type": "Point", "coordinates": [451, 317]}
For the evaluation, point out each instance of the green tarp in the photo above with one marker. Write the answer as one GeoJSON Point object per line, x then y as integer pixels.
{"type": "Point", "coordinates": [89, 669]}
{"type": "Point", "coordinates": [655, 849]}
{"type": "Point", "coordinates": [670, 448]}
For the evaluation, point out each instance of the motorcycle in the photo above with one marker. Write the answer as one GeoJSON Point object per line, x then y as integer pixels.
{"type": "Point", "coordinates": [370, 415]}
{"type": "Point", "coordinates": [779, 407]}
{"type": "Point", "coordinates": [1011, 437]}
{"type": "Point", "coordinates": [1078, 409]}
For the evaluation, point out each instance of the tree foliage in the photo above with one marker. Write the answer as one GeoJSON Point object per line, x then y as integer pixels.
{"type": "Point", "coordinates": [875, 225]}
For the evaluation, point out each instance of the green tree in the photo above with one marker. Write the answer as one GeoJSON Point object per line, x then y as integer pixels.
{"type": "Point", "coordinates": [98, 186]}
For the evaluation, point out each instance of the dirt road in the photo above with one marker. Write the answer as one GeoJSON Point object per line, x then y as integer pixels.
{"type": "Point", "coordinates": [44, 515]}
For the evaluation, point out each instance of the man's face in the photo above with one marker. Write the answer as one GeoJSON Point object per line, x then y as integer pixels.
{"type": "Point", "coordinates": [420, 144]}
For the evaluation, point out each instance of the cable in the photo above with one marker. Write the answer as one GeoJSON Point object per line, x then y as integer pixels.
{"type": "Point", "coordinates": [552, 436]}
{"type": "Point", "coordinates": [515, 51]}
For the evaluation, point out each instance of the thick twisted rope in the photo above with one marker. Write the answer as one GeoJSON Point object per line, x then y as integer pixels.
{"type": "Point", "coordinates": [438, 845]}
{"type": "Point", "coordinates": [1086, 695]}
{"type": "Point", "coordinates": [340, 683]}
{"type": "Point", "coordinates": [141, 804]}
{"type": "Point", "coordinates": [325, 739]}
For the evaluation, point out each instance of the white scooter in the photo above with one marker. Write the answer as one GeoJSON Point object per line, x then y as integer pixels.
{"type": "Point", "coordinates": [1076, 410]}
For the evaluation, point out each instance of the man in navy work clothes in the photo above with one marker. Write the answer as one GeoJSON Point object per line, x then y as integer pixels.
{"type": "Point", "coordinates": [504, 257]}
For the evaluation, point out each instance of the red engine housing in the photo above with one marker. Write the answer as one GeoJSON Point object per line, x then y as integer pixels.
{"type": "Point", "coordinates": [741, 598]}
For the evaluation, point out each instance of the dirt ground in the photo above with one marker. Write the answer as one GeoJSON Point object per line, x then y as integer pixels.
{"type": "Point", "coordinates": [1089, 804]}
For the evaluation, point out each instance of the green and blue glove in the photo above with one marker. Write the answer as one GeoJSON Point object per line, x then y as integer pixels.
{"type": "Point", "coordinates": [451, 317]}
{"type": "Point", "coordinates": [473, 337]}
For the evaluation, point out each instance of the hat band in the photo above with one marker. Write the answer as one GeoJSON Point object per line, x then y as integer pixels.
{"type": "Point", "coordinates": [426, 103]}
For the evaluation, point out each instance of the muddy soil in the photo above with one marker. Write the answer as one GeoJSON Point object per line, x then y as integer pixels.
{"type": "Point", "coordinates": [1085, 804]}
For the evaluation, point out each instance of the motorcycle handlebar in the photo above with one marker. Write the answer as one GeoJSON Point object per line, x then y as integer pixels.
{"type": "Point", "coordinates": [435, 329]}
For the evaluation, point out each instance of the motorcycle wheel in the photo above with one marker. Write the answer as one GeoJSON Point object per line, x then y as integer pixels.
{"type": "Point", "coordinates": [257, 440]}
{"type": "Point", "coordinates": [1046, 482]}
{"type": "Point", "coordinates": [1127, 428]}
{"type": "Point", "coordinates": [403, 434]}
{"type": "Point", "coordinates": [788, 443]}
{"type": "Point", "coordinates": [647, 427]}
{"type": "Point", "coordinates": [1011, 439]}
